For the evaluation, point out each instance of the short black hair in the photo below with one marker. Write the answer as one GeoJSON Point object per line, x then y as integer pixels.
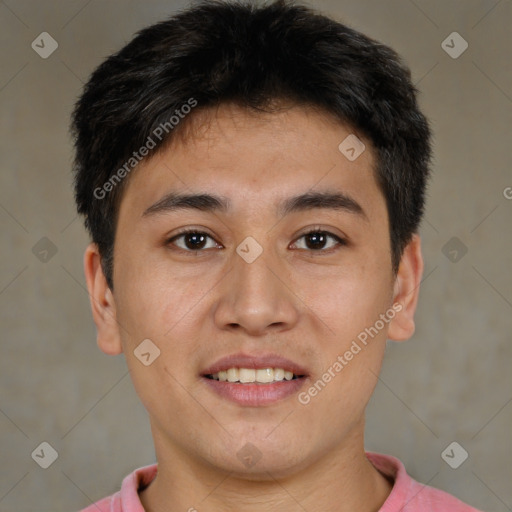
{"type": "Point", "coordinates": [252, 55]}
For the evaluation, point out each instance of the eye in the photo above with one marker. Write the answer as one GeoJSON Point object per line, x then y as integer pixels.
{"type": "Point", "coordinates": [316, 240]}
{"type": "Point", "coordinates": [194, 240]}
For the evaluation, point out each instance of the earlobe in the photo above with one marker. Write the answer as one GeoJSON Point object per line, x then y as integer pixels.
{"type": "Point", "coordinates": [406, 291]}
{"type": "Point", "coordinates": [102, 303]}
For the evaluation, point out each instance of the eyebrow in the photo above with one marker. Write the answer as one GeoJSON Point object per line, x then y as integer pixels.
{"type": "Point", "coordinates": [174, 201]}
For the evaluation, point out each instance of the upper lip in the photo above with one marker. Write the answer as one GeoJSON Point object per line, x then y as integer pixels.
{"type": "Point", "coordinates": [256, 361]}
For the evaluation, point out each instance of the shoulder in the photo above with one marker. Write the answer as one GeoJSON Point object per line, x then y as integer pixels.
{"type": "Point", "coordinates": [424, 497]}
{"type": "Point", "coordinates": [127, 498]}
{"type": "Point", "coordinates": [408, 495]}
{"type": "Point", "coordinates": [104, 505]}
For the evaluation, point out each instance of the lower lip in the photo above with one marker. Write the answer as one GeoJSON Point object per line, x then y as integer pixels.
{"type": "Point", "coordinates": [255, 395]}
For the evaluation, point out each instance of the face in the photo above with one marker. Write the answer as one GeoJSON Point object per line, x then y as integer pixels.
{"type": "Point", "coordinates": [251, 285]}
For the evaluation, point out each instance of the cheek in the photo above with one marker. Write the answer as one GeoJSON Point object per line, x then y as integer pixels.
{"type": "Point", "coordinates": [350, 300]}
{"type": "Point", "coordinates": [351, 352]}
{"type": "Point", "coordinates": [153, 296]}
{"type": "Point", "coordinates": [160, 307]}
{"type": "Point", "coordinates": [352, 304]}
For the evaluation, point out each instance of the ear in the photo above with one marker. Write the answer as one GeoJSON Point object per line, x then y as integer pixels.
{"type": "Point", "coordinates": [102, 303]}
{"type": "Point", "coordinates": [406, 291]}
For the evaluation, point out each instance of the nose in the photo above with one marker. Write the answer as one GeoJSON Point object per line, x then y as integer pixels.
{"type": "Point", "coordinates": [257, 297]}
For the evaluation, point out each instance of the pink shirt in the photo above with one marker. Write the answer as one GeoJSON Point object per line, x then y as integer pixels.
{"type": "Point", "coordinates": [407, 495]}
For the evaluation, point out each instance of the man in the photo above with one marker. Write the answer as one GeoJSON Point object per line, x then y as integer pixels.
{"type": "Point", "coordinates": [253, 181]}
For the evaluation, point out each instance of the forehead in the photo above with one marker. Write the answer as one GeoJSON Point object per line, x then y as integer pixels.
{"type": "Point", "coordinates": [255, 158]}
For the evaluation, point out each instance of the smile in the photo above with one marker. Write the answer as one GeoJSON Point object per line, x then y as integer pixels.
{"type": "Point", "coordinates": [250, 375]}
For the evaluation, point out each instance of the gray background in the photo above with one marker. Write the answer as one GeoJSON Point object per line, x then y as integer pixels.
{"type": "Point", "coordinates": [450, 382]}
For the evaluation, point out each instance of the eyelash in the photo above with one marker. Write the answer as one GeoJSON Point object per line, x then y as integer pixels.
{"type": "Point", "coordinates": [341, 241]}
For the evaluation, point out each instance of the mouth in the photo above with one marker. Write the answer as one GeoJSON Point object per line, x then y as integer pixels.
{"type": "Point", "coordinates": [254, 381]}
{"type": "Point", "coordinates": [253, 375]}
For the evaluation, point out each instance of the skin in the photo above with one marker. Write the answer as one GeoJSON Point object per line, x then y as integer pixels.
{"type": "Point", "coordinates": [293, 300]}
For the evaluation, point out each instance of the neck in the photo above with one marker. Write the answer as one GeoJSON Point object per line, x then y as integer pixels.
{"type": "Point", "coordinates": [342, 480]}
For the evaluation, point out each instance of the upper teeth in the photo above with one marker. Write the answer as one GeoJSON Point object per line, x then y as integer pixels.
{"type": "Point", "coordinates": [253, 375]}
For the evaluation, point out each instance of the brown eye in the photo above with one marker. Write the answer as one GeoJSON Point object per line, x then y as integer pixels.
{"type": "Point", "coordinates": [316, 240]}
{"type": "Point", "coordinates": [193, 240]}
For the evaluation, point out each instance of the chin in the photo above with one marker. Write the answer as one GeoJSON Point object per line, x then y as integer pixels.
{"type": "Point", "coordinates": [258, 460]}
